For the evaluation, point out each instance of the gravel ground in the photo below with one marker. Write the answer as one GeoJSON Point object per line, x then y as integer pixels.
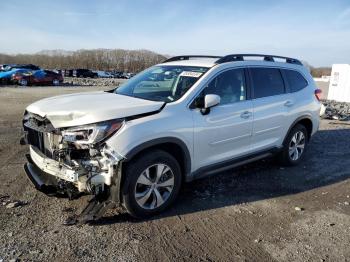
{"type": "Point", "coordinates": [259, 212]}
{"type": "Point", "coordinates": [85, 82]}
{"type": "Point", "coordinates": [78, 81]}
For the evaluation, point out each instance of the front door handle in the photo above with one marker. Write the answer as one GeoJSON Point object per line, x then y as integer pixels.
{"type": "Point", "coordinates": [246, 114]}
{"type": "Point", "coordinates": [288, 103]}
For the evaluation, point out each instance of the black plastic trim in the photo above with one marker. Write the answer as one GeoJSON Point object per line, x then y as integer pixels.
{"type": "Point", "coordinates": [187, 57]}
{"type": "Point", "coordinates": [232, 163]}
{"type": "Point", "coordinates": [295, 122]}
{"type": "Point", "coordinates": [35, 175]}
{"type": "Point", "coordinates": [160, 141]}
{"type": "Point", "coordinates": [145, 114]}
{"type": "Point", "coordinates": [269, 58]}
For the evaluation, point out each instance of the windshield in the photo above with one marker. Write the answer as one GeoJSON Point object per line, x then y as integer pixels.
{"type": "Point", "coordinates": [162, 83]}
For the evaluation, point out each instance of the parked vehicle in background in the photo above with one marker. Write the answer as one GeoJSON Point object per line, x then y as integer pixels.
{"type": "Point", "coordinates": [68, 72]}
{"type": "Point", "coordinates": [126, 75]}
{"type": "Point", "coordinates": [116, 74]}
{"type": "Point", "coordinates": [84, 73]}
{"type": "Point", "coordinates": [21, 66]}
{"type": "Point", "coordinates": [6, 76]}
{"type": "Point", "coordinates": [58, 71]}
{"type": "Point", "coordinates": [2, 67]}
{"type": "Point", "coordinates": [121, 75]}
{"type": "Point", "coordinates": [104, 74]}
{"type": "Point", "coordinates": [180, 120]}
{"type": "Point", "coordinates": [39, 77]}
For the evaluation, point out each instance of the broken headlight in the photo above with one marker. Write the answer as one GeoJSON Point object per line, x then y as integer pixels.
{"type": "Point", "coordinates": [93, 133]}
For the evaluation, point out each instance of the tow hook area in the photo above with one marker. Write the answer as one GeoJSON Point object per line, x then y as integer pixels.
{"type": "Point", "coordinates": [94, 210]}
{"type": "Point", "coordinates": [99, 204]}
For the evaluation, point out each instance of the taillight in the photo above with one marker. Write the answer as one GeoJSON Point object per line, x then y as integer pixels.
{"type": "Point", "coordinates": [318, 93]}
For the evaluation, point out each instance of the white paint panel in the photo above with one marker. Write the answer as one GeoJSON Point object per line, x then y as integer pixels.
{"type": "Point", "coordinates": [339, 86]}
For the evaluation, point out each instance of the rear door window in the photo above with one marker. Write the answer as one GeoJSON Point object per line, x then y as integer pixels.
{"type": "Point", "coordinates": [267, 82]}
{"type": "Point", "coordinates": [295, 80]}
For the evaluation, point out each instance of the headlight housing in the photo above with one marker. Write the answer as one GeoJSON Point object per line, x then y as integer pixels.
{"type": "Point", "coordinates": [93, 133]}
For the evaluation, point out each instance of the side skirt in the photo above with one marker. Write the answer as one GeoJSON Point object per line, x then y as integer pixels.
{"type": "Point", "coordinates": [231, 163]}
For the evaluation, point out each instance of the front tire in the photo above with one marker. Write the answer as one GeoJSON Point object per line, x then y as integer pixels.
{"type": "Point", "coordinates": [294, 146]}
{"type": "Point", "coordinates": [152, 183]}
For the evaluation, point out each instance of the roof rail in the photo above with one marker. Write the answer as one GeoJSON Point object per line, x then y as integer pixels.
{"type": "Point", "coordinates": [187, 57]}
{"type": "Point", "coordinates": [270, 58]}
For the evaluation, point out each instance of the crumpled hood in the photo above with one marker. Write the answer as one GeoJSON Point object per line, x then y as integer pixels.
{"type": "Point", "coordinates": [91, 107]}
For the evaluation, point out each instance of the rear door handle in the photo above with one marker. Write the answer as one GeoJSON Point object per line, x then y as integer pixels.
{"type": "Point", "coordinates": [288, 103]}
{"type": "Point", "coordinates": [246, 114]}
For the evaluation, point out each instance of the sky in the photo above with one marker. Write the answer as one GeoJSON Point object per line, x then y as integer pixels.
{"type": "Point", "coordinates": [314, 31]}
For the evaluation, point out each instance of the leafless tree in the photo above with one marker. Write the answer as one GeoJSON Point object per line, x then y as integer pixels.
{"type": "Point", "coordinates": [96, 59]}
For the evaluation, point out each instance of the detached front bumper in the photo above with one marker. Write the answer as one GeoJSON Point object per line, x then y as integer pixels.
{"type": "Point", "coordinates": [54, 178]}
{"type": "Point", "coordinates": [41, 180]}
{"type": "Point", "coordinates": [45, 182]}
{"type": "Point", "coordinates": [53, 167]}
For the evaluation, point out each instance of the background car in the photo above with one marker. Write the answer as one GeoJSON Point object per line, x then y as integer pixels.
{"type": "Point", "coordinates": [68, 72]}
{"type": "Point", "coordinates": [21, 66]}
{"type": "Point", "coordinates": [39, 77]}
{"type": "Point", "coordinates": [2, 67]}
{"type": "Point", "coordinates": [84, 73]}
{"type": "Point", "coordinates": [120, 75]}
{"type": "Point", "coordinates": [126, 75]}
{"type": "Point", "coordinates": [6, 76]}
{"type": "Point", "coordinates": [104, 74]}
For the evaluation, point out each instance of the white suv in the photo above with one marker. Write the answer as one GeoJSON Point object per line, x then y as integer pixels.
{"type": "Point", "coordinates": [186, 118]}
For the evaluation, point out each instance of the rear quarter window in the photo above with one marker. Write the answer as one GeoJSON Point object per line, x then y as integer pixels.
{"type": "Point", "coordinates": [295, 80]}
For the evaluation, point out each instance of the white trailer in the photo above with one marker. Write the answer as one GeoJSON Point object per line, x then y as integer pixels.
{"type": "Point", "coordinates": [339, 86]}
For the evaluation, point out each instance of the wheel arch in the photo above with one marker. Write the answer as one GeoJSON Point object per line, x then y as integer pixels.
{"type": "Point", "coordinates": [172, 145]}
{"type": "Point", "coordinates": [306, 121]}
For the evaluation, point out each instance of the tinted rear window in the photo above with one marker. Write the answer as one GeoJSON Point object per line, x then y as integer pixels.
{"type": "Point", "coordinates": [295, 80]}
{"type": "Point", "coordinates": [267, 82]}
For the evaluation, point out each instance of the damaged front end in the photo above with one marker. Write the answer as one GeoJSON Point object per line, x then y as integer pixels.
{"type": "Point", "coordinates": [73, 161]}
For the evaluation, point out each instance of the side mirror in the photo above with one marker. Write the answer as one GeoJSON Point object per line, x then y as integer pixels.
{"type": "Point", "coordinates": [209, 102]}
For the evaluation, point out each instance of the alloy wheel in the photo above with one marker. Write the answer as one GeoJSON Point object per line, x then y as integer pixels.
{"type": "Point", "coordinates": [297, 145]}
{"type": "Point", "coordinates": [23, 82]}
{"type": "Point", "coordinates": [154, 186]}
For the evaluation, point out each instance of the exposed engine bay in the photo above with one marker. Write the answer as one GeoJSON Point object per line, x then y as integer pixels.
{"type": "Point", "coordinates": [72, 161]}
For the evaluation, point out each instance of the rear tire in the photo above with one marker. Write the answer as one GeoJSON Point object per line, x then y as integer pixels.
{"type": "Point", "coordinates": [294, 146]}
{"type": "Point", "coordinates": [152, 183]}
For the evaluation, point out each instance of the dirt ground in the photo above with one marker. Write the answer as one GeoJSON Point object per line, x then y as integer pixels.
{"type": "Point", "coordinates": [245, 214]}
